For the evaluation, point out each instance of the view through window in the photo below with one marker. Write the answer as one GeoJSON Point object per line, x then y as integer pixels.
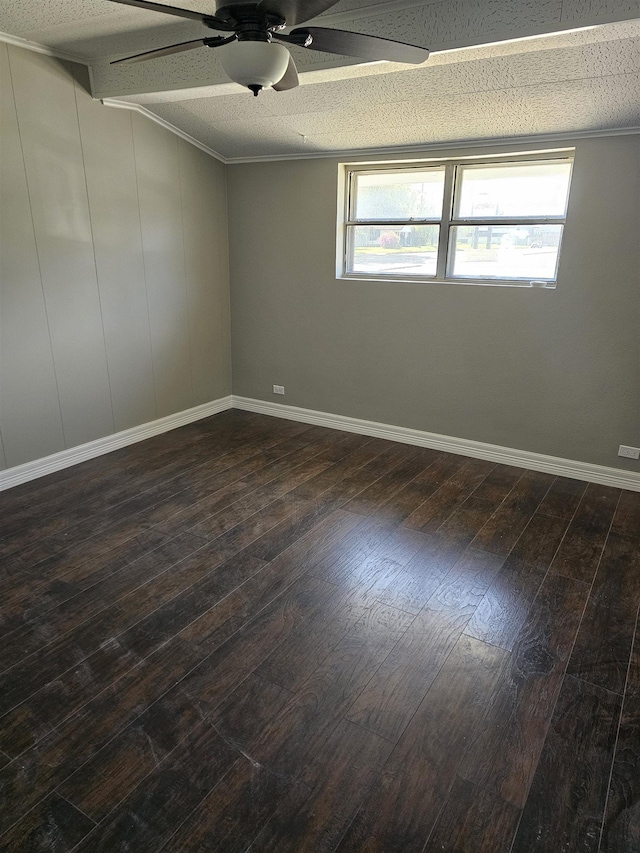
{"type": "Point", "coordinates": [476, 221]}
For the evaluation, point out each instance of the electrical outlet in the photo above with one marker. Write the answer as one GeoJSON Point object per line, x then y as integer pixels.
{"type": "Point", "coordinates": [629, 452]}
{"type": "Point", "coordinates": [278, 389]}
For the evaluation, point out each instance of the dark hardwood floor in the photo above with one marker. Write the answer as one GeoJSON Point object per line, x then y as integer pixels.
{"type": "Point", "coordinates": [255, 635]}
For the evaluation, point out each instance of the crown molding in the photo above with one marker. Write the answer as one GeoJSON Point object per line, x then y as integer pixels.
{"type": "Point", "coordinates": [138, 108]}
{"type": "Point", "coordinates": [541, 139]}
{"type": "Point", "coordinates": [36, 47]}
{"type": "Point", "coordinates": [372, 153]}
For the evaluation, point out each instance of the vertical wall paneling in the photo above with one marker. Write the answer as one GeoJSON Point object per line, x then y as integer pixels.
{"type": "Point", "coordinates": [202, 248]}
{"type": "Point", "coordinates": [107, 144]}
{"type": "Point", "coordinates": [29, 410]}
{"type": "Point", "coordinates": [158, 171]}
{"type": "Point", "coordinates": [223, 267]}
{"type": "Point", "coordinates": [114, 280]}
{"type": "Point", "coordinates": [48, 122]}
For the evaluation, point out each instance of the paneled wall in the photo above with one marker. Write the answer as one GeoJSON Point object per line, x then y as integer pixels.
{"type": "Point", "coordinates": [114, 297]}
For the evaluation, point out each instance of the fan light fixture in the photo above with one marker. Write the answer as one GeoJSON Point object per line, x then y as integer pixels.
{"type": "Point", "coordinates": [254, 64]}
{"type": "Point", "coordinates": [248, 53]}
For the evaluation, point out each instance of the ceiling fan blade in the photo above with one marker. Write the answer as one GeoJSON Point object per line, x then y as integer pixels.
{"type": "Point", "coordinates": [366, 47]}
{"type": "Point", "coordinates": [162, 51]}
{"type": "Point", "coordinates": [174, 10]}
{"type": "Point", "coordinates": [290, 79]}
{"type": "Point", "coordinates": [296, 11]}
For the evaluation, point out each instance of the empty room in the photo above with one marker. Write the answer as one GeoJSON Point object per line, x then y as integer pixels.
{"type": "Point", "coordinates": [320, 426]}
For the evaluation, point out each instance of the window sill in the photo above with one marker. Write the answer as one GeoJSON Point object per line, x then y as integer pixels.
{"type": "Point", "coordinates": [480, 282]}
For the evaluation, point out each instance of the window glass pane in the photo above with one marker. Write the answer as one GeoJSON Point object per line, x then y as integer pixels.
{"type": "Point", "coordinates": [505, 251]}
{"type": "Point", "coordinates": [399, 195]}
{"type": "Point", "coordinates": [403, 251]}
{"type": "Point", "coordinates": [518, 189]}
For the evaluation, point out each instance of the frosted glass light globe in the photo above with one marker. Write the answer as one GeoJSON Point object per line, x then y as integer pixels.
{"type": "Point", "coordinates": [254, 63]}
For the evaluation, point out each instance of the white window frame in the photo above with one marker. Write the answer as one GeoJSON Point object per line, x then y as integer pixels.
{"type": "Point", "coordinates": [452, 183]}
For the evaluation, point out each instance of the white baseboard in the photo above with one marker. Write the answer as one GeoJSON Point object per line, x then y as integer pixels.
{"type": "Point", "coordinates": [465, 447]}
{"type": "Point", "coordinates": [478, 449]}
{"type": "Point", "coordinates": [66, 458]}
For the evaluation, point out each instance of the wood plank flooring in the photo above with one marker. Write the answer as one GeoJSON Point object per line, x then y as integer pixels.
{"type": "Point", "coordinates": [255, 635]}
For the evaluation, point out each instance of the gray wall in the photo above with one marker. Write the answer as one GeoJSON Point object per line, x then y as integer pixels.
{"type": "Point", "coordinates": [550, 371]}
{"type": "Point", "coordinates": [114, 299]}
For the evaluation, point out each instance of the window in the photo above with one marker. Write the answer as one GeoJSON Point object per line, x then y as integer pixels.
{"type": "Point", "coordinates": [484, 221]}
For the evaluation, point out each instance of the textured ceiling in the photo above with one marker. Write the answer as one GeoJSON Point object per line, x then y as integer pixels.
{"type": "Point", "coordinates": [92, 29]}
{"type": "Point", "coordinates": [477, 84]}
{"type": "Point", "coordinates": [557, 90]}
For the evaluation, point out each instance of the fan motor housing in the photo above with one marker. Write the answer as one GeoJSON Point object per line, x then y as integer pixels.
{"type": "Point", "coordinates": [249, 22]}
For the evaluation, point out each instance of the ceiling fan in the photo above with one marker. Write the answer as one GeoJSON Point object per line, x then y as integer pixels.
{"type": "Point", "coordinates": [249, 54]}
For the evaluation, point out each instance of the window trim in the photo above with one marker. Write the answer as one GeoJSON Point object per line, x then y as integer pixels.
{"type": "Point", "coordinates": [452, 181]}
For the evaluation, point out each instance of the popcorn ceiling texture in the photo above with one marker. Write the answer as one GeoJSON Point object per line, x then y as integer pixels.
{"type": "Point", "coordinates": [585, 87]}
{"type": "Point", "coordinates": [560, 83]}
